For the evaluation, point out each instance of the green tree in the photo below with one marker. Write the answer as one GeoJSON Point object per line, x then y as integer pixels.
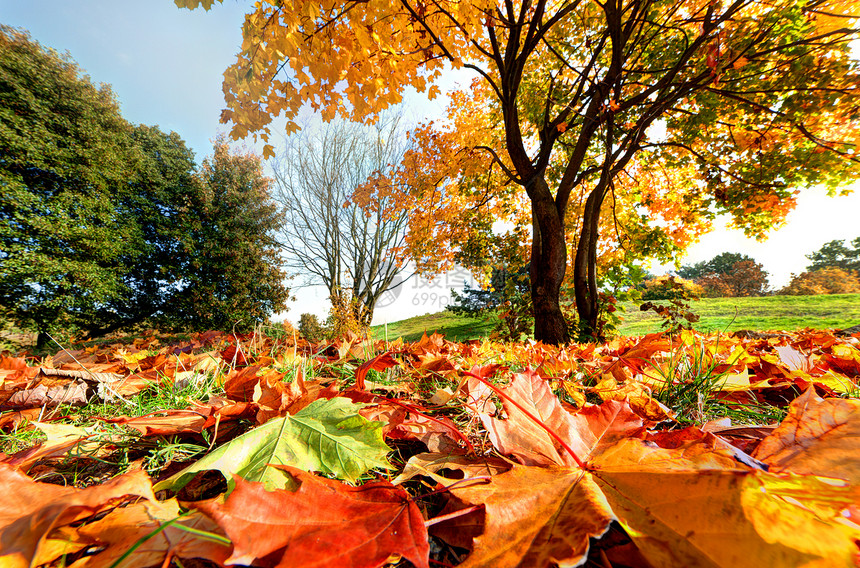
{"type": "Point", "coordinates": [836, 254]}
{"type": "Point", "coordinates": [64, 154]}
{"type": "Point", "coordinates": [310, 328]}
{"type": "Point", "coordinates": [720, 264]}
{"type": "Point", "coordinates": [234, 279]}
{"type": "Point", "coordinates": [104, 225]}
{"type": "Point", "coordinates": [161, 203]}
{"type": "Point", "coordinates": [506, 297]}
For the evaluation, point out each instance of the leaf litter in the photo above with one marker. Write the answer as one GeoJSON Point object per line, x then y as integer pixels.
{"type": "Point", "coordinates": [657, 451]}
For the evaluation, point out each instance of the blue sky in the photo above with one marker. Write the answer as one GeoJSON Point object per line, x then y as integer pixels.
{"type": "Point", "coordinates": [165, 65]}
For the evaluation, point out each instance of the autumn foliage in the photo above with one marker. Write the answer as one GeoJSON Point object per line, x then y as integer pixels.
{"type": "Point", "coordinates": [744, 278]}
{"type": "Point", "coordinates": [830, 280]}
{"type": "Point", "coordinates": [670, 288]}
{"type": "Point", "coordinates": [357, 454]}
{"type": "Point", "coordinates": [617, 127]}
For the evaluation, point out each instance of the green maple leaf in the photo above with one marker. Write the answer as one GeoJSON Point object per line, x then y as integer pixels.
{"type": "Point", "coordinates": [328, 436]}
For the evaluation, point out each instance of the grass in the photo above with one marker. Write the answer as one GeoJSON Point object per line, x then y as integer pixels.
{"type": "Point", "coordinates": [785, 313]}
{"type": "Point", "coordinates": [452, 326]}
{"type": "Point", "coordinates": [689, 381]}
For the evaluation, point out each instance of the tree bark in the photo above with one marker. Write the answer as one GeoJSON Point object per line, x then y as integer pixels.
{"type": "Point", "coordinates": [585, 265]}
{"type": "Point", "coordinates": [547, 268]}
{"type": "Point", "coordinates": [42, 340]}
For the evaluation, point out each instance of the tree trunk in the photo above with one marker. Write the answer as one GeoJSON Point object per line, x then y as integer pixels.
{"type": "Point", "coordinates": [547, 268]}
{"type": "Point", "coordinates": [585, 266]}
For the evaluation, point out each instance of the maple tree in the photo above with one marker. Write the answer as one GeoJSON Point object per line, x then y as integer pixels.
{"type": "Point", "coordinates": [684, 107]}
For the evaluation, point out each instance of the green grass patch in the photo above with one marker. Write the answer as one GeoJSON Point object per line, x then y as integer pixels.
{"type": "Point", "coordinates": [452, 326]}
{"type": "Point", "coordinates": [769, 313]}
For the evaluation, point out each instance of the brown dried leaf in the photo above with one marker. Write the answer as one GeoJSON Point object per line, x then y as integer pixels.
{"type": "Point", "coordinates": [29, 510]}
{"type": "Point", "coordinates": [818, 437]}
{"type": "Point", "coordinates": [536, 517]}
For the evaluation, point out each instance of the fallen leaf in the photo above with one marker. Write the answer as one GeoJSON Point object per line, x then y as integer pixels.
{"type": "Point", "coordinates": [520, 436]}
{"type": "Point", "coordinates": [121, 529]}
{"type": "Point", "coordinates": [536, 517]}
{"type": "Point", "coordinates": [324, 523]}
{"type": "Point", "coordinates": [77, 374]}
{"type": "Point", "coordinates": [61, 440]}
{"type": "Point", "coordinates": [438, 433]}
{"type": "Point", "coordinates": [240, 383]}
{"type": "Point", "coordinates": [793, 359]}
{"type": "Point", "coordinates": [430, 463]}
{"type": "Point", "coordinates": [42, 395]}
{"type": "Point", "coordinates": [379, 363]}
{"type": "Point", "coordinates": [168, 422]}
{"type": "Point", "coordinates": [29, 510]}
{"type": "Point", "coordinates": [638, 396]}
{"type": "Point", "coordinates": [234, 356]}
{"type": "Point", "coordinates": [818, 437]}
{"type": "Point", "coordinates": [681, 507]}
{"type": "Point", "coordinates": [329, 436]}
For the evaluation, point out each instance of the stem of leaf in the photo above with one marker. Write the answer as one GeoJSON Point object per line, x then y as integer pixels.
{"type": "Point", "coordinates": [454, 515]}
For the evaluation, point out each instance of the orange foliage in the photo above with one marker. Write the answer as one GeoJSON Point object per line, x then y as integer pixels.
{"type": "Point", "coordinates": [622, 129]}
{"type": "Point", "coordinates": [830, 280]}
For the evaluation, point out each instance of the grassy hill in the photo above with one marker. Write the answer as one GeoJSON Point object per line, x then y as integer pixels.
{"type": "Point", "coordinates": [717, 314]}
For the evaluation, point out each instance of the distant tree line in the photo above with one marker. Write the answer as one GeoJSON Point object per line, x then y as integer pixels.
{"type": "Point", "coordinates": [105, 224]}
{"type": "Point", "coordinates": [726, 275]}
{"type": "Point", "coordinates": [834, 269]}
